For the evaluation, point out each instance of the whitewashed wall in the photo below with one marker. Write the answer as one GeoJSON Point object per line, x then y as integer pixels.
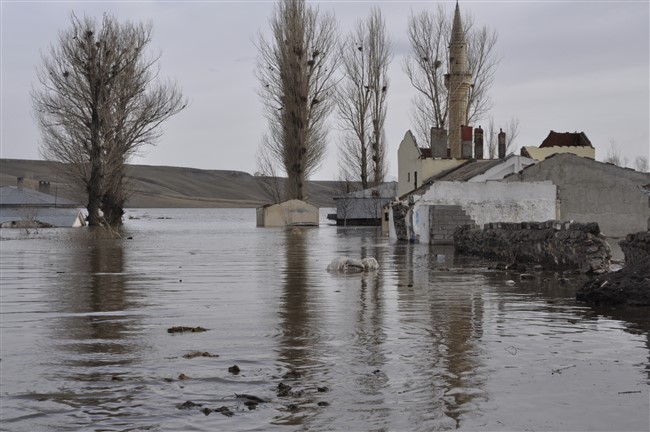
{"type": "Point", "coordinates": [487, 202]}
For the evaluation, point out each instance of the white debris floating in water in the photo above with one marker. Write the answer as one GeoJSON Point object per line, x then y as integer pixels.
{"type": "Point", "coordinates": [352, 265]}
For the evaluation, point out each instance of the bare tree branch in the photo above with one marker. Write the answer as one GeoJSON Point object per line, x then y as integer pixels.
{"type": "Point", "coordinates": [98, 103]}
{"type": "Point", "coordinates": [429, 32]}
{"type": "Point", "coordinates": [296, 74]}
{"type": "Point", "coordinates": [361, 99]}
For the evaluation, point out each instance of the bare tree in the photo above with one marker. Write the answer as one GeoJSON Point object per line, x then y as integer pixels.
{"type": "Point", "coordinates": [296, 69]}
{"type": "Point", "coordinates": [379, 56]}
{"type": "Point", "coordinates": [429, 32]}
{"type": "Point", "coordinates": [345, 186]}
{"type": "Point", "coordinates": [361, 99]}
{"type": "Point", "coordinates": [641, 164]}
{"type": "Point", "coordinates": [100, 101]}
{"type": "Point", "coordinates": [271, 183]}
{"type": "Point", "coordinates": [490, 138]}
{"type": "Point", "coordinates": [512, 132]}
{"type": "Point", "coordinates": [491, 134]}
{"type": "Point", "coordinates": [614, 154]}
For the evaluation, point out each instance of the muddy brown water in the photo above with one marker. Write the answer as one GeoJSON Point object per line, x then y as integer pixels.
{"type": "Point", "coordinates": [429, 342]}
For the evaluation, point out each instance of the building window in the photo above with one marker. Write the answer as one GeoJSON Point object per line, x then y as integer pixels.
{"type": "Point", "coordinates": [408, 177]}
{"type": "Point", "coordinates": [415, 177]}
{"type": "Point", "coordinates": [386, 216]}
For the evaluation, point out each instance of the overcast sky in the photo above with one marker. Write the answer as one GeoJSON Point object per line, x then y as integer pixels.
{"type": "Point", "coordinates": [566, 66]}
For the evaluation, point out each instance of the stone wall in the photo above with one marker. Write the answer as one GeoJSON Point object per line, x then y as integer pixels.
{"type": "Point", "coordinates": [444, 220]}
{"type": "Point", "coordinates": [627, 286]}
{"type": "Point", "coordinates": [636, 247]}
{"type": "Point", "coordinates": [552, 244]}
{"type": "Point", "coordinates": [400, 213]}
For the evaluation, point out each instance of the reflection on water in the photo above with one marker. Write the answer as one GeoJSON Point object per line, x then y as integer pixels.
{"type": "Point", "coordinates": [295, 313]}
{"type": "Point", "coordinates": [93, 327]}
{"type": "Point", "coordinates": [431, 341]}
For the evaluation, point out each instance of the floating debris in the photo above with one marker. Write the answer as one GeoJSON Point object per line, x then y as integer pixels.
{"type": "Point", "coordinates": [188, 405]}
{"type": "Point", "coordinates": [323, 389]}
{"type": "Point", "coordinates": [252, 398]}
{"type": "Point", "coordinates": [225, 411]}
{"type": "Point", "coordinates": [284, 390]}
{"type": "Point", "coordinates": [194, 354]}
{"type": "Point", "coordinates": [292, 375]}
{"type": "Point", "coordinates": [182, 329]}
{"type": "Point", "coordinates": [183, 377]}
{"type": "Point", "coordinates": [251, 405]}
{"type": "Point", "coordinates": [560, 369]}
{"type": "Point", "coordinates": [323, 404]}
{"type": "Point", "coordinates": [234, 370]}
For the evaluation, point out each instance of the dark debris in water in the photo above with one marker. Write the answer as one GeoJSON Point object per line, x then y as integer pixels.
{"type": "Point", "coordinates": [225, 411]}
{"type": "Point", "coordinates": [194, 354]}
{"type": "Point", "coordinates": [188, 405]}
{"type": "Point", "coordinates": [249, 397]}
{"type": "Point", "coordinates": [284, 390]}
{"type": "Point", "coordinates": [293, 374]}
{"type": "Point", "coordinates": [182, 329]}
{"type": "Point", "coordinates": [234, 369]}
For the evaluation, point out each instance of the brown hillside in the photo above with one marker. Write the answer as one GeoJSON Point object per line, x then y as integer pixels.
{"type": "Point", "coordinates": [166, 187]}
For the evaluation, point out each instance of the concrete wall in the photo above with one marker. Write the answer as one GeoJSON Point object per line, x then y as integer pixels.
{"type": "Point", "coordinates": [591, 191]}
{"type": "Point", "coordinates": [410, 165]}
{"type": "Point", "coordinates": [288, 213]}
{"type": "Point", "coordinates": [486, 202]}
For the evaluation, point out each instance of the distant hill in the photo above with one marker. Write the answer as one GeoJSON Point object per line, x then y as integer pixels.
{"type": "Point", "coordinates": [167, 187]}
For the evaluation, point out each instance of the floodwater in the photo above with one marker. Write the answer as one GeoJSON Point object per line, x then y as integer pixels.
{"type": "Point", "coordinates": [429, 342]}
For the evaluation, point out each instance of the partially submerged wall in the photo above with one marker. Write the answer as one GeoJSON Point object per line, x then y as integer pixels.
{"type": "Point", "coordinates": [288, 213]}
{"type": "Point", "coordinates": [480, 203]}
{"type": "Point", "coordinates": [551, 244]}
{"type": "Point", "coordinates": [628, 286]}
{"type": "Point", "coordinates": [636, 247]}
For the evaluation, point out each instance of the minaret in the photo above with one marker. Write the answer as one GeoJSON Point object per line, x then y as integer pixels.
{"type": "Point", "coordinates": [458, 82]}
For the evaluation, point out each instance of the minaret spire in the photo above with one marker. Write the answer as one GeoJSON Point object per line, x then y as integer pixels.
{"type": "Point", "coordinates": [457, 33]}
{"type": "Point", "coordinates": [458, 82]}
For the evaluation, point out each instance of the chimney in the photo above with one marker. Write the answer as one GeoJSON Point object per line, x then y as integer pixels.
{"type": "Point", "coordinates": [438, 143]}
{"type": "Point", "coordinates": [44, 186]}
{"type": "Point", "coordinates": [478, 143]}
{"type": "Point", "coordinates": [502, 144]}
{"type": "Point", "coordinates": [19, 183]}
{"type": "Point", "coordinates": [466, 145]}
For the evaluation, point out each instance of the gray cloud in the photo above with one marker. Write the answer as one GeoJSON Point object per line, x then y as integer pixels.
{"type": "Point", "coordinates": [566, 66]}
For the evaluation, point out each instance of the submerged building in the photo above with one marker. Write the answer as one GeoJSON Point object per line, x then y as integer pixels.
{"type": "Point", "coordinates": [21, 207]}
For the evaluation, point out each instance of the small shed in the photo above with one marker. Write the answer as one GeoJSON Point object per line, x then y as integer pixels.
{"type": "Point", "coordinates": [23, 207]}
{"type": "Point", "coordinates": [287, 213]}
{"type": "Point", "coordinates": [364, 207]}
